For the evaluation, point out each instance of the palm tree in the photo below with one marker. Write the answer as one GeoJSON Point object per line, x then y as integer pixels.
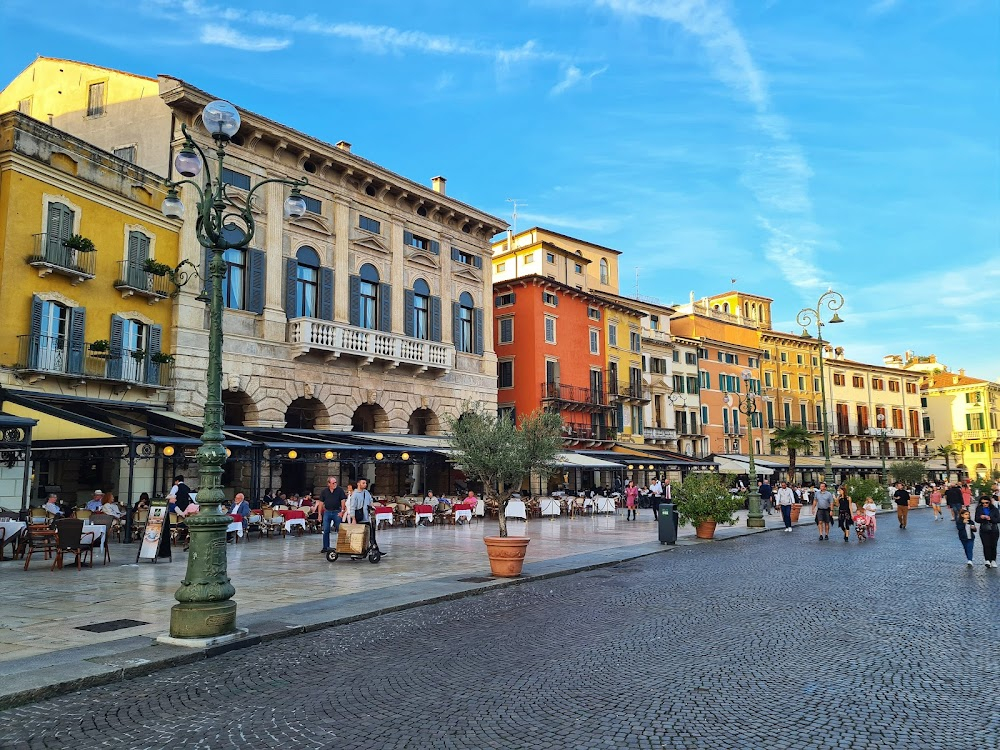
{"type": "Point", "coordinates": [793, 438]}
{"type": "Point", "coordinates": [946, 452]}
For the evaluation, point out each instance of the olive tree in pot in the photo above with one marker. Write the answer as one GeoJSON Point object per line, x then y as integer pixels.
{"type": "Point", "coordinates": [500, 454]}
{"type": "Point", "coordinates": [704, 501]}
{"type": "Point", "coordinates": [909, 473]}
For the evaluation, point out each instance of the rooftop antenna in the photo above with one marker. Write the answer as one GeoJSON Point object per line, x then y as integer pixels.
{"type": "Point", "coordinates": [513, 215]}
{"type": "Point", "coordinates": [637, 282]}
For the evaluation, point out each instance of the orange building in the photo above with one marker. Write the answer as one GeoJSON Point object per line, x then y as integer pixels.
{"type": "Point", "coordinates": [550, 354]}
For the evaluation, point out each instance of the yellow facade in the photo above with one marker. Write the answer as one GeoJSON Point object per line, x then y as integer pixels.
{"type": "Point", "coordinates": [790, 379]}
{"type": "Point", "coordinates": [623, 339]}
{"type": "Point", "coordinates": [965, 412]}
{"type": "Point", "coordinates": [104, 316]}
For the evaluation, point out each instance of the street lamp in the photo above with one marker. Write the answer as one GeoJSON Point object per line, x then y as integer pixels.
{"type": "Point", "coordinates": [748, 405]}
{"type": "Point", "coordinates": [881, 432]}
{"type": "Point", "coordinates": [205, 610]}
{"type": "Point", "coordinates": [806, 317]}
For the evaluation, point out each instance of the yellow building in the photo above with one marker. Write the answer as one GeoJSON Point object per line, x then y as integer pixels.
{"type": "Point", "coordinates": [84, 319]}
{"type": "Point", "coordinates": [965, 412]}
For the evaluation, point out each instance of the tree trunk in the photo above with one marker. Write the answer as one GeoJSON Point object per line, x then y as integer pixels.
{"type": "Point", "coordinates": [791, 465]}
{"type": "Point", "coordinates": [502, 497]}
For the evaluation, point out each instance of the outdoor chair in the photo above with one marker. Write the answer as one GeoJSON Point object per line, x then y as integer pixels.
{"type": "Point", "coordinates": [82, 513]}
{"type": "Point", "coordinates": [108, 522]}
{"type": "Point", "coordinates": [70, 537]}
{"type": "Point", "coordinates": [272, 522]}
{"type": "Point", "coordinates": [254, 521]}
{"type": "Point", "coordinates": [37, 537]}
{"type": "Point", "coordinates": [139, 523]}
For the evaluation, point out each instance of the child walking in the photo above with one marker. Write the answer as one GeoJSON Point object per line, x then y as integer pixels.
{"type": "Point", "coordinates": [966, 534]}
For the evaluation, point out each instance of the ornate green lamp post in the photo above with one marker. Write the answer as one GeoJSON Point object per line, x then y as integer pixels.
{"type": "Point", "coordinates": [748, 405]}
{"type": "Point", "coordinates": [806, 317]}
{"type": "Point", "coordinates": [882, 432]}
{"type": "Point", "coordinates": [205, 610]}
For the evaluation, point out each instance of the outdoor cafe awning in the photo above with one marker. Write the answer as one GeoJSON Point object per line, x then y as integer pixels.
{"type": "Point", "coordinates": [580, 461]}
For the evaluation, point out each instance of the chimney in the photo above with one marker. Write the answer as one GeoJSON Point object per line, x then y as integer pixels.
{"type": "Point", "coordinates": [344, 146]}
{"type": "Point", "coordinates": [437, 184]}
{"type": "Point", "coordinates": [954, 379]}
{"type": "Point", "coordinates": [961, 371]}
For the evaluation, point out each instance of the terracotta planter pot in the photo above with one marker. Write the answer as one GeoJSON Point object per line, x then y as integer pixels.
{"type": "Point", "coordinates": [796, 509]}
{"type": "Point", "coordinates": [705, 530]}
{"type": "Point", "coordinates": [914, 501]}
{"type": "Point", "coordinates": [506, 554]}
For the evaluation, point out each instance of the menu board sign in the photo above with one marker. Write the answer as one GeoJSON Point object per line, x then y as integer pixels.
{"type": "Point", "coordinates": [156, 534]}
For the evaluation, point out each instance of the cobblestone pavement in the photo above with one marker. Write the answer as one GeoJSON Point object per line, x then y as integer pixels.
{"type": "Point", "coordinates": [769, 641]}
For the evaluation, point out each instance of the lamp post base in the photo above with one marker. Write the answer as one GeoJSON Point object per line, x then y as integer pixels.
{"type": "Point", "coordinates": [202, 620]}
{"type": "Point", "coordinates": [755, 517]}
{"type": "Point", "coordinates": [219, 640]}
{"type": "Point", "coordinates": [755, 523]}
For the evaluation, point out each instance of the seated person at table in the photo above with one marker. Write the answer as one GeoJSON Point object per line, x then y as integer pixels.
{"type": "Point", "coordinates": [96, 502]}
{"type": "Point", "coordinates": [143, 503]}
{"type": "Point", "coordinates": [307, 500]}
{"type": "Point", "coordinates": [111, 507]}
{"type": "Point", "coordinates": [471, 499]}
{"type": "Point", "coordinates": [52, 505]}
{"type": "Point", "coordinates": [240, 507]}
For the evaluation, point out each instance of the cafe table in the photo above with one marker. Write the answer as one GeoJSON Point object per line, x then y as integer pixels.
{"type": "Point", "coordinates": [11, 531]}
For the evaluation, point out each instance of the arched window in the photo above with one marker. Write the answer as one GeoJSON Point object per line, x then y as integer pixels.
{"type": "Point", "coordinates": [368, 311]}
{"type": "Point", "coordinates": [463, 336]}
{"type": "Point", "coordinates": [421, 309]}
{"type": "Point", "coordinates": [605, 274]}
{"type": "Point", "coordinates": [725, 307]}
{"type": "Point", "coordinates": [306, 283]}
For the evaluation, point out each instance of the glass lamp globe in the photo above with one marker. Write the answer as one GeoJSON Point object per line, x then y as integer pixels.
{"type": "Point", "coordinates": [221, 119]}
{"type": "Point", "coordinates": [295, 206]}
{"type": "Point", "coordinates": [187, 162]}
{"type": "Point", "coordinates": [172, 207]}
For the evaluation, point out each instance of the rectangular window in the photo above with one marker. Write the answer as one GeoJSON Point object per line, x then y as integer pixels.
{"type": "Point", "coordinates": [752, 362]}
{"type": "Point", "coordinates": [613, 335]}
{"type": "Point", "coordinates": [878, 384]}
{"type": "Point", "coordinates": [816, 384]}
{"type": "Point", "coordinates": [593, 313]}
{"type": "Point", "coordinates": [95, 99]}
{"type": "Point", "coordinates": [658, 365]}
{"type": "Point", "coordinates": [702, 353]}
{"type": "Point", "coordinates": [313, 205]}
{"type": "Point", "coordinates": [676, 356]}
{"type": "Point", "coordinates": [369, 224]}
{"type": "Point", "coordinates": [235, 179]}
{"type": "Point", "coordinates": [767, 354]}
{"type": "Point", "coordinates": [550, 299]}
{"type": "Point", "coordinates": [784, 381]}
{"type": "Point", "coordinates": [234, 283]}
{"type": "Point", "coordinates": [894, 386]}
{"type": "Point", "coordinates": [467, 259]}
{"type": "Point", "coordinates": [706, 380]}
{"type": "Point", "coordinates": [550, 257]}
{"type": "Point", "coordinates": [803, 415]}
{"type": "Point", "coordinates": [692, 384]}
{"type": "Point", "coordinates": [420, 243]}
{"type": "Point", "coordinates": [550, 329]}
{"type": "Point", "coordinates": [654, 322]}
{"type": "Point", "coordinates": [858, 381]}
{"type": "Point", "coordinates": [911, 388]}
{"type": "Point", "coordinates": [768, 380]}
{"type": "Point", "coordinates": [784, 356]}
{"type": "Point", "coordinates": [126, 153]}
{"type": "Point", "coordinates": [815, 362]}
{"type": "Point", "coordinates": [802, 382]}
{"type": "Point", "coordinates": [577, 268]}
{"type": "Point", "coordinates": [840, 379]}
{"type": "Point", "coordinates": [529, 258]}
{"type": "Point", "coordinates": [24, 106]}
{"type": "Point", "coordinates": [704, 414]}
{"type": "Point", "coordinates": [505, 300]}
{"type": "Point", "coordinates": [897, 419]}
{"type": "Point", "coordinates": [635, 341]}
{"type": "Point", "coordinates": [505, 373]}
{"type": "Point", "coordinates": [508, 412]}
{"type": "Point", "coordinates": [595, 341]}
{"type": "Point", "coordinates": [506, 331]}
{"type": "Point", "coordinates": [690, 358]}
{"type": "Point", "coordinates": [501, 267]}
{"type": "Point", "coordinates": [799, 359]}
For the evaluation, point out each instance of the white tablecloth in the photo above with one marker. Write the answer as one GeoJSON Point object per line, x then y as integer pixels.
{"type": "Point", "coordinates": [11, 529]}
{"type": "Point", "coordinates": [460, 514]}
{"type": "Point", "coordinates": [516, 509]}
{"type": "Point", "coordinates": [294, 522]}
{"type": "Point", "coordinates": [236, 526]}
{"type": "Point", "coordinates": [605, 504]}
{"type": "Point", "coordinates": [98, 530]}
{"type": "Point", "coordinates": [428, 516]}
{"type": "Point", "coordinates": [384, 516]}
{"type": "Point", "coordinates": [550, 506]}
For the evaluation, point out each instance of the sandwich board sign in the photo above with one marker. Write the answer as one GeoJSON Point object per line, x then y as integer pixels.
{"type": "Point", "coordinates": [156, 535]}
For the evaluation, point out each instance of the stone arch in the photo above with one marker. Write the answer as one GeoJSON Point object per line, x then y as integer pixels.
{"type": "Point", "coordinates": [238, 409]}
{"type": "Point", "coordinates": [305, 414]}
{"type": "Point", "coordinates": [423, 421]}
{"type": "Point", "coordinates": [981, 470]}
{"type": "Point", "coordinates": [369, 417]}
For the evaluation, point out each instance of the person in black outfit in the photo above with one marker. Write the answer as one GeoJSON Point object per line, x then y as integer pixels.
{"type": "Point", "coordinates": [988, 517]}
{"type": "Point", "coordinates": [902, 498]}
{"type": "Point", "coordinates": [765, 496]}
{"type": "Point", "coordinates": [180, 494]}
{"type": "Point", "coordinates": [334, 501]}
{"type": "Point", "coordinates": [953, 496]}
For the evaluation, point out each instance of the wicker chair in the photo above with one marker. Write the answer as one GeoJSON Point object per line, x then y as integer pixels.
{"type": "Point", "coordinates": [70, 537]}
{"type": "Point", "coordinates": [37, 537]}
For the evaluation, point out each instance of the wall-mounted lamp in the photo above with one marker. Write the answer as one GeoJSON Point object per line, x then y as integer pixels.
{"type": "Point", "coordinates": [229, 453]}
{"type": "Point", "coordinates": [379, 456]}
{"type": "Point", "coordinates": [168, 450]}
{"type": "Point", "coordinates": [293, 455]}
{"type": "Point", "coordinates": [630, 467]}
{"type": "Point", "coordinates": [641, 467]}
{"type": "Point", "coordinates": [405, 456]}
{"type": "Point", "coordinates": [328, 455]}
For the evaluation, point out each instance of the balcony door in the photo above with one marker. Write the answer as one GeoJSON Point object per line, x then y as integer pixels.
{"type": "Point", "coordinates": [53, 338]}
{"type": "Point", "coordinates": [134, 353]}
{"type": "Point", "coordinates": [138, 254]}
{"type": "Point", "coordinates": [59, 227]}
{"type": "Point", "coordinates": [552, 377]}
{"type": "Point", "coordinates": [596, 387]}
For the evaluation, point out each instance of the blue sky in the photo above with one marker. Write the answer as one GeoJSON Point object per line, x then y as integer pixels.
{"type": "Point", "coordinates": [788, 144]}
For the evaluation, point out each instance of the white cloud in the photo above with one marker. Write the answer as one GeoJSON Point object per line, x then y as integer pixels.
{"type": "Point", "coordinates": [573, 77]}
{"type": "Point", "coordinates": [227, 37]}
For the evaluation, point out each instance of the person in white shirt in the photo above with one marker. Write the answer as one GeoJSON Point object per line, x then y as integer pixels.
{"type": "Point", "coordinates": [111, 506]}
{"type": "Point", "coordinates": [785, 497]}
{"type": "Point", "coordinates": [52, 506]}
{"type": "Point", "coordinates": [656, 490]}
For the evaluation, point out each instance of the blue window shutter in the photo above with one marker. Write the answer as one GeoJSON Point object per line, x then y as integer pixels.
{"type": "Point", "coordinates": [456, 325]}
{"type": "Point", "coordinates": [408, 312]}
{"type": "Point", "coordinates": [58, 228]}
{"type": "Point", "coordinates": [435, 247]}
{"type": "Point", "coordinates": [155, 342]}
{"type": "Point", "coordinates": [35, 342]}
{"type": "Point", "coordinates": [291, 287]}
{"type": "Point", "coordinates": [477, 330]}
{"type": "Point", "coordinates": [435, 318]}
{"type": "Point", "coordinates": [354, 288]}
{"type": "Point", "coordinates": [115, 349]}
{"type": "Point", "coordinates": [326, 293]}
{"type": "Point", "coordinates": [385, 307]}
{"type": "Point", "coordinates": [407, 237]}
{"type": "Point", "coordinates": [456, 254]}
{"type": "Point", "coordinates": [256, 261]}
{"type": "Point", "coordinates": [77, 318]}
{"type": "Point", "coordinates": [477, 261]}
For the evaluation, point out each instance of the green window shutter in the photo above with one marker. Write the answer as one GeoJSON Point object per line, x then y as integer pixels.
{"type": "Point", "coordinates": [385, 308]}
{"type": "Point", "coordinates": [291, 287]}
{"type": "Point", "coordinates": [77, 318]}
{"type": "Point", "coordinates": [435, 315]}
{"type": "Point", "coordinates": [155, 342]}
{"type": "Point", "coordinates": [477, 330]}
{"type": "Point", "coordinates": [354, 289]}
{"type": "Point", "coordinates": [477, 261]}
{"type": "Point", "coordinates": [456, 325]}
{"type": "Point", "coordinates": [138, 252]}
{"type": "Point", "coordinates": [326, 293]}
{"type": "Point", "coordinates": [59, 227]}
{"type": "Point", "coordinates": [35, 341]}
{"type": "Point", "coordinates": [115, 349]}
{"type": "Point", "coordinates": [256, 261]}
{"type": "Point", "coordinates": [722, 383]}
{"type": "Point", "coordinates": [456, 254]}
{"type": "Point", "coordinates": [408, 312]}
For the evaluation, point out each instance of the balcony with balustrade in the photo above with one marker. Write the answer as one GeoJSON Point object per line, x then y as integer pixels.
{"type": "Point", "coordinates": [134, 279]}
{"type": "Point", "coordinates": [582, 432]}
{"type": "Point", "coordinates": [624, 391]}
{"type": "Point", "coordinates": [563, 397]}
{"type": "Point", "coordinates": [40, 357]}
{"type": "Point", "coordinates": [336, 340]}
{"type": "Point", "coordinates": [659, 434]}
{"type": "Point", "coordinates": [972, 435]}
{"type": "Point", "coordinates": [50, 255]}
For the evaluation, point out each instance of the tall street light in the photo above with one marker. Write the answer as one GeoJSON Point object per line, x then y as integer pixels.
{"type": "Point", "coordinates": [881, 432]}
{"type": "Point", "coordinates": [205, 609]}
{"type": "Point", "coordinates": [748, 405]}
{"type": "Point", "coordinates": [808, 316]}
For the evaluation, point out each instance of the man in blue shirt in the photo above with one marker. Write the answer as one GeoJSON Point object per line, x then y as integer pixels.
{"type": "Point", "coordinates": [765, 496]}
{"type": "Point", "coordinates": [96, 502]}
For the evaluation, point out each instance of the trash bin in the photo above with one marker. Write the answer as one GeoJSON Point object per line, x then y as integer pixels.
{"type": "Point", "coordinates": [668, 524]}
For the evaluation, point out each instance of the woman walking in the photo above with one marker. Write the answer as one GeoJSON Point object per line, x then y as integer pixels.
{"type": "Point", "coordinates": [846, 508]}
{"type": "Point", "coordinates": [988, 518]}
{"type": "Point", "coordinates": [966, 534]}
{"type": "Point", "coordinates": [936, 502]}
{"type": "Point", "coordinates": [631, 499]}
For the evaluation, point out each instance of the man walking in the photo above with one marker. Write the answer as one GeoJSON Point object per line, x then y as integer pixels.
{"type": "Point", "coordinates": [657, 491]}
{"type": "Point", "coordinates": [334, 504]}
{"type": "Point", "coordinates": [902, 498]}
{"type": "Point", "coordinates": [765, 496]}
{"type": "Point", "coordinates": [785, 498]}
{"type": "Point", "coordinates": [953, 496]}
{"type": "Point", "coordinates": [821, 506]}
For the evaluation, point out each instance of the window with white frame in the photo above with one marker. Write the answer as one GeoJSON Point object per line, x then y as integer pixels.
{"type": "Point", "coordinates": [550, 329]}
{"type": "Point", "coordinates": [505, 334]}
{"type": "Point", "coordinates": [613, 334]}
{"type": "Point", "coordinates": [595, 341]}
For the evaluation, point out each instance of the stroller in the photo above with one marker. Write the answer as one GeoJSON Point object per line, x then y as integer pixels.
{"type": "Point", "coordinates": [864, 527]}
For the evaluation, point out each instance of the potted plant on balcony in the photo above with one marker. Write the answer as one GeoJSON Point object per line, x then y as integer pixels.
{"type": "Point", "coordinates": [156, 268]}
{"type": "Point", "coordinates": [704, 501]}
{"type": "Point", "coordinates": [138, 354]}
{"type": "Point", "coordinates": [500, 454]}
{"type": "Point", "coordinates": [99, 348]}
{"type": "Point", "coordinates": [161, 358]}
{"type": "Point", "coordinates": [79, 243]}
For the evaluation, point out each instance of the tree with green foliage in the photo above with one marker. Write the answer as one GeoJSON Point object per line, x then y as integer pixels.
{"type": "Point", "coordinates": [793, 438]}
{"type": "Point", "coordinates": [907, 472]}
{"type": "Point", "coordinates": [500, 454]}
{"type": "Point", "coordinates": [705, 496]}
{"type": "Point", "coordinates": [947, 452]}
{"type": "Point", "coordinates": [858, 489]}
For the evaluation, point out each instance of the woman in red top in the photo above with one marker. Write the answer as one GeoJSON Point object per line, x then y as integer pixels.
{"type": "Point", "coordinates": [631, 500]}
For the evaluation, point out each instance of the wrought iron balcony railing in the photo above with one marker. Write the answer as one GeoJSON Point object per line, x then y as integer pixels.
{"type": "Point", "coordinates": [134, 279]}
{"type": "Point", "coordinates": [58, 356]}
{"type": "Point", "coordinates": [50, 255]}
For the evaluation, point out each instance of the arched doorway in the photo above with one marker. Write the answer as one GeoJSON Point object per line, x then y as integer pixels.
{"type": "Point", "coordinates": [369, 418]}
{"type": "Point", "coordinates": [236, 406]}
{"type": "Point", "coordinates": [423, 422]}
{"type": "Point", "coordinates": [303, 414]}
